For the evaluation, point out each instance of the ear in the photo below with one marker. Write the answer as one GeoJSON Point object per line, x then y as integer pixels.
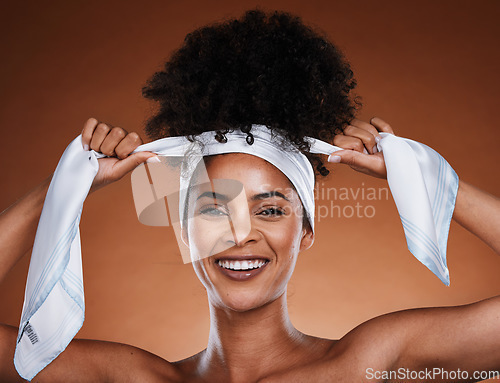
{"type": "Point", "coordinates": [184, 236]}
{"type": "Point", "coordinates": [307, 239]}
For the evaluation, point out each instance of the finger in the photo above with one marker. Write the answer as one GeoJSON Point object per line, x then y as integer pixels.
{"type": "Point", "coordinates": [365, 126]}
{"type": "Point", "coordinates": [367, 138]}
{"type": "Point", "coordinates": [373, 165]}
{"type": "Point", "coordinates": [88, 130]}
{"type": "Point", "coordinates": [381, 125]}
{"type": "Point", "coordinates": [100, 132]}
{"type": "Point", "coordinates": [126, 146]}
{"type": "Point", "coordinates": [112, 140]}
{"type": "Point", "coordinates": [130, 163]}
{"type": "Point", "coordinates": [348, 142]}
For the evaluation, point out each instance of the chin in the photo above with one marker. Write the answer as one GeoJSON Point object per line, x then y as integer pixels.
{"type": "Point", "coordinates": [241, 301]}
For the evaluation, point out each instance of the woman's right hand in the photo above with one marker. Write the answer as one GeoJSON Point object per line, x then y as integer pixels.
{"type": "Point", "coordinates": [116, 143]}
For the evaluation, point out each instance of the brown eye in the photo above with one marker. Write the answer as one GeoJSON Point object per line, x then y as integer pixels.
{"type": "Point", "coordinates": [272, 212]}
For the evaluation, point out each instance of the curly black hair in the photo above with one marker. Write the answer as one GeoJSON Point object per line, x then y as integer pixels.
{"type": "Point", "coordinates": [264, 68]}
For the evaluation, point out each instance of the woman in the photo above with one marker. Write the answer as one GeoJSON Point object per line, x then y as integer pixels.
{"type": "Point", "coordinates": [274, 71]}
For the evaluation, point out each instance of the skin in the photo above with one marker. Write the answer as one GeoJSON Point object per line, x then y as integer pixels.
{"type": "Point", "coordinates": [250, 319]}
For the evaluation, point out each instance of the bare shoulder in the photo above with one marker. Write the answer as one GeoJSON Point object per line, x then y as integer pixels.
{"type": "Point", "coordinates": [465, 337]}
{"type": "Point", "coordinates": [92, 361]}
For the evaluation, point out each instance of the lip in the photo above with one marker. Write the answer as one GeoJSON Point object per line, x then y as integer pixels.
{"type": "Point", "coordinates": [241, 275]}
{"type": "Point", "coordinates": [235, 257]}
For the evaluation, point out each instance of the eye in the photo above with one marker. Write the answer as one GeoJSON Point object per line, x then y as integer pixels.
{"type": "Point", "coordinates": [272, 212]}
{"type": "Point", "coordinates": [213, 211]}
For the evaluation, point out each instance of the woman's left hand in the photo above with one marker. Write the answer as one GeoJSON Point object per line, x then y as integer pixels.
{"type": "Point", "coordinates": [361, 138]}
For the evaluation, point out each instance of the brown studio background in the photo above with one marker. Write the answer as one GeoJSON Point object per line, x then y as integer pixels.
{"type": "Point", "coordinates": [429, 68]}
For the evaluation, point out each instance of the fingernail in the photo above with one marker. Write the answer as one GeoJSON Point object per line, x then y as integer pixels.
{"type": "Point", "coordinates": [153, 160]}
{"type": "Point", "coordinates": [86, 147]}
{"type": "Point", "coordinates": [375, 149]}
{"type": "Point", "coordinates": [377, 139]}
{"type": "Point", "coordinates": [334, 159]}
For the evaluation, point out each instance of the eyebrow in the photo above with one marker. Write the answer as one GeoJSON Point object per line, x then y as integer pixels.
{"type": "Point", "coordinates": [270, 194]}
{"type": "Point", "coordinates": [256, 197]}
{"type": "Point", "coordinates": [211, 194]}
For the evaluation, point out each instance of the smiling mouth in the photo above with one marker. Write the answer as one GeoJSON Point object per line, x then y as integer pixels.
{"type": "Point", "coordinates": [241, 268]}
{"type": "Point", "coordinates": [243, 265]}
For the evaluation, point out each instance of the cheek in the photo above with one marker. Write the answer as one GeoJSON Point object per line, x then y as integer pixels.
{"type": "Point", "coordinates": [206, 237]}
{"type": "Point", "coordinates": [286, 239]}
{"type": "Point", "coordinates": [199, 242]}
{"type": "Point", "coordinates": [282, 242]}
{"type": "Point", "coordinates": [285, 242]}
{"type": "Point", "coordinates": [200, 269]}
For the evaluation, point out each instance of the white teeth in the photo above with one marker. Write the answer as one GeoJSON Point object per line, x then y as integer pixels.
{"type": "Point", "coordinates": [243, 265]}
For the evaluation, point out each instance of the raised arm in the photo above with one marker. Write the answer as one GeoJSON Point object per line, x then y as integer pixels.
{"type": "Point", "coordinates": [449, 339]}
{"type": "Point", "coordinates": [18, 226]}
{"type": "Point", "coordinates": [475, 210]}
{"type": "Point", "coordinates": [479, 212]}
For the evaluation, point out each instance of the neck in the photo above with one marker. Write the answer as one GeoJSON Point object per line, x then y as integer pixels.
{"type": "Point", "coordinates": [245, 346]}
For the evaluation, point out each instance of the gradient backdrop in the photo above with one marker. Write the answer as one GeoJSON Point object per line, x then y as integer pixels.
{"type": "Point", "coordinates": [429, 68]}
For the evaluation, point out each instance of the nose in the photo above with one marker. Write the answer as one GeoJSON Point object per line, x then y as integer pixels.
{"type": "Point", "coordinates": [243, 232]}
{"type": "Point", "coordinates": [240, 223]}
